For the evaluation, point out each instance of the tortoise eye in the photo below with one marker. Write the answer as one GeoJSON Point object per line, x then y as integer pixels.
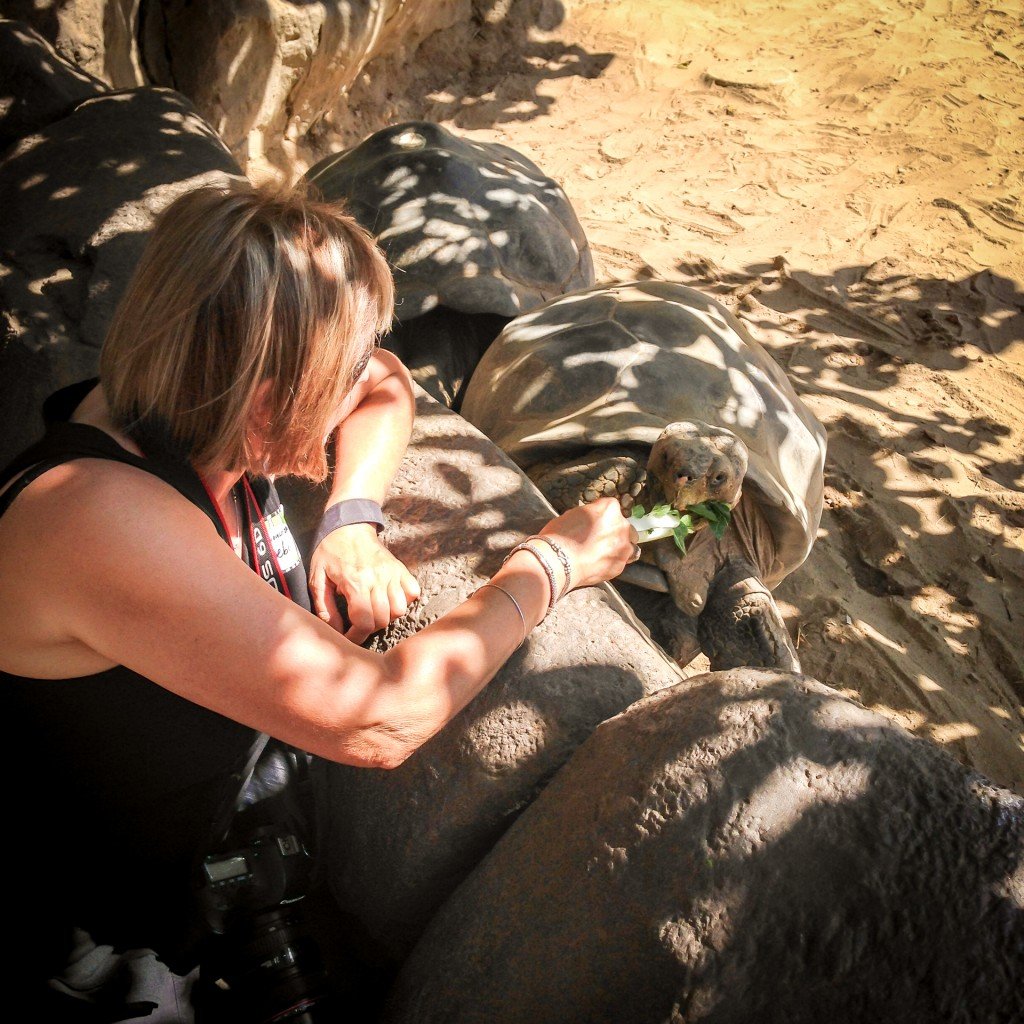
{"type": "Point", "coordinates": [718, 479]}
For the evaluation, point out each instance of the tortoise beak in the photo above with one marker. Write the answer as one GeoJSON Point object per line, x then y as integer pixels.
{"type": "Point", "coordinates": [685, 483]}
{"type": "Point", "coordinates": [688, 492]}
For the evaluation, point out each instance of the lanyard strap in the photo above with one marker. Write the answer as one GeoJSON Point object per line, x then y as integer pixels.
{"type": "Point", "coordinates": [225, 529]}
{"type": "Point", "coordinates": [266, 565]}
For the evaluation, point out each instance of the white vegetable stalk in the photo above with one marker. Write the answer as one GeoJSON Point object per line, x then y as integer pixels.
{"type": "Point", "coordinates": [656, 525]}
{"type": "Point", "coordinates": [665, 521]}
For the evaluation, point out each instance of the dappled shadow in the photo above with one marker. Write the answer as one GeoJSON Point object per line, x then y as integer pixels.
{"type": "Point", "coordinates": [474, 232]}
{"type": "Point", "coordinates": [449, 476]}
{"type": "Point", "coordinates": [78, 199]}
{"type": "Point", "coordinates": [751, 847]}
{"type": "Point", "coordinates": [915, 492]}
{"type": "Point", "coordinates": [497, 97]}
{"type": "Point", "coordinates": [186, 47]}
{"type": "Point", "coordinates": [407, 837]}
{"type": "Point", "coordinates": [610, 368]}
{"type": "Point", "coordinates": [42, 15]}
{"type": "Point", "coordinates": [850, 873]}
{"type": "Point", "coordinates": [37, 87]}
{"type": "Point", "coordinates": [888, 308]}
{"type": "Point", "coordinates": [891, 536]}
{"type": "Point", "coordinates": [474, 226]}
{"type": "Point", "coordinates": [502, 57]}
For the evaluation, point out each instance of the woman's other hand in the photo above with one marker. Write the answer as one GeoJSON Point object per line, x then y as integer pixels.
{"type": "Point", "coordinates": [597, 539]}
{"type": "Point", "coordinates": [376, 586]}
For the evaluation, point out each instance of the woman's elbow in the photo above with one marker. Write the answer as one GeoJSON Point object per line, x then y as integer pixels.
{"type": "Point", "coordinates": [396, 741]}
{"type": "Point", "coordinates": [396, 758]}
{"type": "Point", "coordinates": [387, 743]}
{"type": "Point", "coordinates": [403, 710]}
{"type": "Point", "coordinates": [381, 750]}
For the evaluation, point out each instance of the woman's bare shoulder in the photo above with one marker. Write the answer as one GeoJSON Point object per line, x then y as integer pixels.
{"type": "Point", "coordinates": [85, 491]}
{"type": "Point", "coordinates": [102, 564]}
{"type": "Point", "coordinates": [79, 520]}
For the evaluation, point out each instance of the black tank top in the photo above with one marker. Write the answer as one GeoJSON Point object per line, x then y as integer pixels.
{"type": "Point", "coordinates": [115, 781]}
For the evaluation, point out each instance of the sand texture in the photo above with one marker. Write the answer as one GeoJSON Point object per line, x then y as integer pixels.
{"type": "Point", "coordinates": [849, 179]}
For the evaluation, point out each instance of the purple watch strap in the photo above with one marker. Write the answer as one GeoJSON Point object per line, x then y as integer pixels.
{"type": "Point", "coordinates": [345, 513]}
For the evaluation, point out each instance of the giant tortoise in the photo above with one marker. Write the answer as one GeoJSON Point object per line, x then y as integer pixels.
{"type": "Point", "coordinates": [653, 392]}
{"type": "Point", "coordinates": [476, 234]}
{"type": "Point", "coordinates": [745, 846]}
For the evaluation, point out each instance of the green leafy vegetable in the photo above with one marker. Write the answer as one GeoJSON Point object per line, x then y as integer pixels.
{"type": "Point", "coordinates": [664, 521]}
{"type": "Point", "coordinates": [717, 513]}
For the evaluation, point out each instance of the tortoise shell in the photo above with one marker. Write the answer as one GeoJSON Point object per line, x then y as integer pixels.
{"type": "Point", "coordinates": [614, 365]}
{"type": "Point", "coordinates": [472, 226]}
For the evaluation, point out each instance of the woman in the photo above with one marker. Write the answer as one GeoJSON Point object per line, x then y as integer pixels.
{"type": "Point", "coordinates": [139, 653]}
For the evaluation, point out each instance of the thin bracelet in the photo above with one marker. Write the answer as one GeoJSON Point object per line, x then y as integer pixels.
{"type": "Point", "coordinates": [562, 557]}
{"type": "Point", "coordinates": [522, 617]}
{"type": "Point", "coordinates": [549, 569]}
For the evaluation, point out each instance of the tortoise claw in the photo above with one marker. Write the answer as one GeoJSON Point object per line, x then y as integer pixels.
{"type": "Point", "coordinates": [741, 624]}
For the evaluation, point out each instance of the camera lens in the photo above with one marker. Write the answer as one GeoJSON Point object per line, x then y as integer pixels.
{"type": "Point", "coordinates": [273, 970]}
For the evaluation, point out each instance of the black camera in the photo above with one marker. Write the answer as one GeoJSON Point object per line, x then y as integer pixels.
{"type": "Point", "coordinates": [263, 965]}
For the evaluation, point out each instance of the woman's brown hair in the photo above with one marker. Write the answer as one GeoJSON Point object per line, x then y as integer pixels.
{"type": "Point", "coordinates": [238, 286]}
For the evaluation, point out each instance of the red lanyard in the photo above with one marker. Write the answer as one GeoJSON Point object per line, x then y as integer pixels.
{"type": "Point", "coordinates": [263, 543]}
{"type": "Point", "coordinates": [266, 565]}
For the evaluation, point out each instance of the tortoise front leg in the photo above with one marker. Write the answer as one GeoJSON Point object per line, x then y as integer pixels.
{"type": "Point", "coordinates": [741, 624]}
{"type": "Point", "coordinates": [689, 577]}
{"type": "Point", "coordinates": [599, 473]}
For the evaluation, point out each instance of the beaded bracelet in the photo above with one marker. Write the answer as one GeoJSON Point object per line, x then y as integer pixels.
{"type": "Point", "coordinates": [548, 568]}
{"type": "Point", "coordinates": [562, 557]}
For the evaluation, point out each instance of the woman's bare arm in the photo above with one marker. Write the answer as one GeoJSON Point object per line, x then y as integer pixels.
{"type": "Point", "coordinates": [154, 588]}
{"type": "Point", "coordinates": [377, 417]}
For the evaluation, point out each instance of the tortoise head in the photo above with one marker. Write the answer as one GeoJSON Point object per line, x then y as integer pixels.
{"type": "Point", "coordinates": [694, 462]}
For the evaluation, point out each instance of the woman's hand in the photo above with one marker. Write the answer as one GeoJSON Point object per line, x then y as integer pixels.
{"type": "Point", "coordinates": [597, 539]}
{"type": "Point", "coordinates": [376, 586]}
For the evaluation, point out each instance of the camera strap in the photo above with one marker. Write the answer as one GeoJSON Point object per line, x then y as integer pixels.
{"type": "Point", "coordinates": [265, 541]}
{"type": "Point", "coordinates": [262, 539]}
{"type": "Point", "coordinates": [267, 565]}
{"type": "Point", "coordinates": [238, 783]}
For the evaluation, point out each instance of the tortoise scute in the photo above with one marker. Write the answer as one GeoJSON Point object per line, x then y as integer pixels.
{"type": "Point", "coordinates": [474, 227]}
{"type": "Point", "coordinates": [617, 364]}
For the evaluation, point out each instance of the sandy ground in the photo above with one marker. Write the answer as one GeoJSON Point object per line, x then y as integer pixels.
{"type": "Point", "coordinates": [849, 178]}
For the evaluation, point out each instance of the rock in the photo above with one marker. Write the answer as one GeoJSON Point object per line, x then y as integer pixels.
{"type": "Point", "coordinates": [748, 847]}
{"type": "Point", "coordinates": [299, 59]}
{"type": "Point", "coordinates": [37, 87]}
{"type": "Point", "coordinates": [402, 840]}
{"type": "Point", "coordinates": [78, 201]}
{"type": "Point", "coordinates": [97, 35]}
